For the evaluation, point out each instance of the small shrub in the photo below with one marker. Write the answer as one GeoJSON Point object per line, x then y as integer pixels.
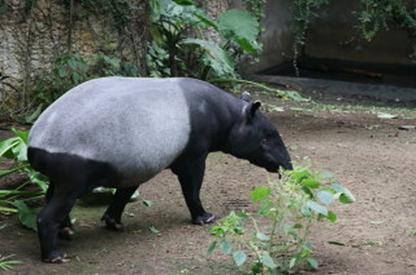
{"type": "Point", "coordinates": [14, 201]}
{"type": "Point", "coordinates": [275, 239]}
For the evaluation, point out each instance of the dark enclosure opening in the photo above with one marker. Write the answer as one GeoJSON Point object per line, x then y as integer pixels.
{"type": "Point", "coordinates": [334, 69]}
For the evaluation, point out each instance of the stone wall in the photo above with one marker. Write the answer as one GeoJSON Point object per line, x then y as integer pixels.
{"type": "Point", "coordinates": [32, 39]}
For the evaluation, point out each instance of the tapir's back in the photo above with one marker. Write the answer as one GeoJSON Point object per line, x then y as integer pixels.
{"type": "Point", "coordinates": [137, 125]}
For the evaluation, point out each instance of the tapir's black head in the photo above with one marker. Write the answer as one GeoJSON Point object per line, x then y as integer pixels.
{"type": "Point", "coordinates": [255, 139]}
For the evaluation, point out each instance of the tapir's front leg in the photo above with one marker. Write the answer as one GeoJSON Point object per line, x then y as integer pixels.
{"type": "Point", "coordinates": [190, 173]}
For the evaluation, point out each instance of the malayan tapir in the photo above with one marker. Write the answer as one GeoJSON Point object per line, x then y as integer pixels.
{"type": "Point", "coordinates": [120, 132]}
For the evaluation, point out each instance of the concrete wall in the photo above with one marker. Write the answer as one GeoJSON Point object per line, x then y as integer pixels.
{"type": "Point", "coordinates": [277, 35]}
{"type": "Point", "coordinates": [331, 35]}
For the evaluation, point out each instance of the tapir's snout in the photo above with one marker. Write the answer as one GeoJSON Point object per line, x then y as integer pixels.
{"type": "Point", "coordinates": [288, 165]}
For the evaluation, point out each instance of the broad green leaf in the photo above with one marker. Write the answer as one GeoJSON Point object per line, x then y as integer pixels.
{"type": "Point", "coordinates": [317, 208]}
{"type": "Point", "coordinates": [147, 203]}
{"type": "Point", "coordinates": [260, 193]}
{"type": "Point", "coordinates": [266, 260]}
{"type": "Point", "coordinates": [345, 195]}
{"type": "Point", "coordinates": [37, 178]}
{"type": "Point", "coordinates": [217, 58]}
{"type": "Point", "coordinates": [6, 146]}
{"type": "Point", "coordinates": [265, 207]}
{"type": "Point", "coordinates": [24, 135]}
{"type": "Point", "coordinates": [241, 27]}
{"type": "Point", "coordinates": [76, 77]}
{"type": "Point", "coordinates": [62, 72]}
{"type": "Point", "coordinates": [21, 151]}
{"type": "Point", "coordinates": [292, 263]}
{"type": "Point", "coordinates": [325, 197]}
{"type": "Point", "coordinates": [239, 257]}
{"type": "Point", "coordinates": [332, 216]}
{"type": "Point", "coordinates": [262, 237]}
{"type": "Point", "coordinates": [154, 230]}
{"type": "Point", "coordinates": [312, 263]}
{"type": "Point", "coordinates": [226, 247]}
{"type": "Point", "coordinates": [311, 183]}
{"type": "Point", "coordinates": [212, 247]}
{"type": "Point", "coordinates": [26, 215]}
{"type": "Point", "coordinates": [300, 174]}
{"type": "Point", "coordinates": [305, 211]}
{"type": "Point", "coordinates": [344, 198]}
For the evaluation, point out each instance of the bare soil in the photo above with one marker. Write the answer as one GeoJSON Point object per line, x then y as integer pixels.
{"type": "Point", "coordinates": [370, 156]}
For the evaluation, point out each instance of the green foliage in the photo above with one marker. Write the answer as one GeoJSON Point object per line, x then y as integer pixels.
{"type": "Point", "coordinates": [70, 70]}
{"type": "Point", "coordinates": [14, 150]}
{"type": "Point", "coordinates": [26, 215]}
{"type": "Point", "coordinates": [376, 15]}
{"type": "Point", "coordinates": [240, 27]}
{"type": "Point", "coordinates": [256, 8]}
{"type": "Point", "coordinates": [6, 264]}
{"type": "Point", "coordinates": [275, 239]}
{"type": "Point", "coordinates": [180, 47]}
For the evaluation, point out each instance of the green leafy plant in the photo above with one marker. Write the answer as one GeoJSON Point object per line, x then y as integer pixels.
{"type": "Point", "coordinates": [275, 239]}
{"type": "Point", "coordinates": [14, 153]}
{"type": "Point", "coordinates": [376, 15]}
{"type": "Point", "coordinates": [70, 70]}
{"type": "Point", "coordinates": [179, 29]}
{"type": "Point", "coordinates": [7, 264]}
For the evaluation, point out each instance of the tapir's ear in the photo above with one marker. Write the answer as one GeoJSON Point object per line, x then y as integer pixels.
{"type": "Point", "coordinates": [250, 110]}
{"type": "Point", "coordinates": [246, 97]}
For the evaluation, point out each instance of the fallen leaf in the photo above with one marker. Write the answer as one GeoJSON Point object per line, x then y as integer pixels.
{"type": "Point", "coordinates": [386, 115]}
{"type": "Point", "coordinates": [407, 127]}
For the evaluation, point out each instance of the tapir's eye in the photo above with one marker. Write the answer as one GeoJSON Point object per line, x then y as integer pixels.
{"type": "Point", "coordinates": [266, 140]}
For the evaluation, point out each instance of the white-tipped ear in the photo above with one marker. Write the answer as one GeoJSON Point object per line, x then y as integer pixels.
{"type": "Point", "coordinates": [249, 110]}
{"type": "Point", "coordinates": [246, 97]}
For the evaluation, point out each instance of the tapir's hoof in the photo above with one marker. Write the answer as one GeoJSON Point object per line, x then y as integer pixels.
{"type": "Point", "coordinates": [66, 233]}
{"type": "Point", "coordinates": [56, 258]}
{"type": "Point", "coordinates": [204, 219]}
{"type": "Point", "coordinates": [111, 223]}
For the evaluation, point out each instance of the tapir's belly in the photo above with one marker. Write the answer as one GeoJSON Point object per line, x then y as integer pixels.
{"type": "Point", "coordinates": [139, 126]}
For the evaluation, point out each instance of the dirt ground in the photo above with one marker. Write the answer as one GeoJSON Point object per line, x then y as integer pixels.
{"type": "Point", "coordinates": [370, 156]}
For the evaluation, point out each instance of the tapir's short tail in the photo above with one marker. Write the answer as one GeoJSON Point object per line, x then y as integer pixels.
{"type": "Point", "coordinates": [37, 159]}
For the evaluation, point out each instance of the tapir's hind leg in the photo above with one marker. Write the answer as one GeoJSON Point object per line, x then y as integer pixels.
{"type": "Point", "coordinates": [112, 216]}
{"type": "Point", "coordinates": [66, 230]}
{"type": "Point", "coordinates": [52, 216]}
